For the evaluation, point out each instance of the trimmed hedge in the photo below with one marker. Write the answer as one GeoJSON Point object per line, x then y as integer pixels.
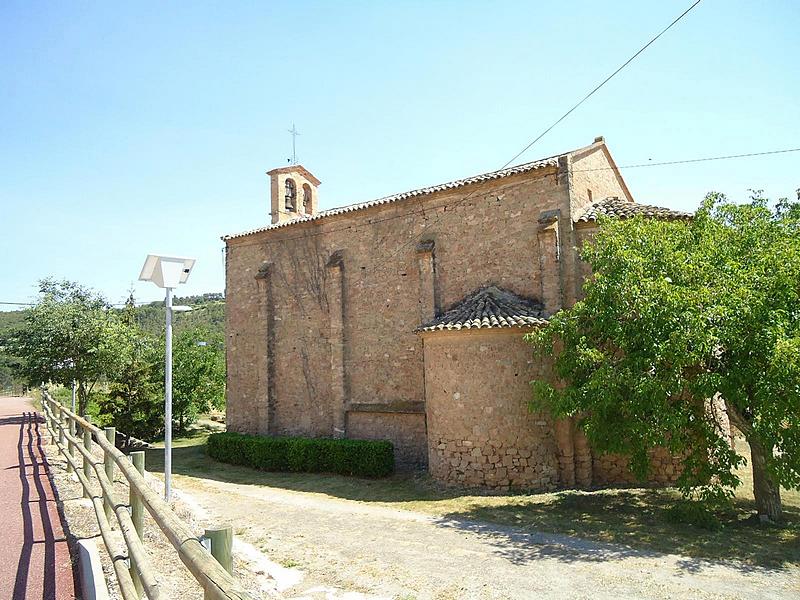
{"type": "Point", "coordinates": [364, 458]}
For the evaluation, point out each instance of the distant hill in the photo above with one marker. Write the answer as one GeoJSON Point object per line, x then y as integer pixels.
{"type": "Point", "coordinates": [208, 298]}
{"type": "Point", "coordinates": [10, 319]}
{"type": "Point", "coordinates": [208, 310]}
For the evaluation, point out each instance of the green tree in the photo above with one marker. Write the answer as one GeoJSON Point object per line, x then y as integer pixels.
{"type": "Point", "coordinates": [69, 335]}
{"type": "Point", "coordinates": [198, 374]}
{"type": "Point", "coordinates": [9, 365]}
{"type": "Point", "coordinates": [677, 313]}
{"type": "Point", "coordinates": [135, 400]}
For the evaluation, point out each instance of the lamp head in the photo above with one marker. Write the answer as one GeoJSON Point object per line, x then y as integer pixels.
{"type": "Point", "coordinates": [166, 271]}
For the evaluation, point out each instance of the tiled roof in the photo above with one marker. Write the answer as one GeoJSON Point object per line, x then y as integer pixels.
{"type": "Point", "coordinates": [486, 308]}
{"type": "Point", "coordinates": [614, 207]}
{"type": "Point", "coordinates": [524, 168]}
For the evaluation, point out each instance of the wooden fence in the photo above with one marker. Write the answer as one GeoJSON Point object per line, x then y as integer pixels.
{"type": "Point", "coordinates": [75, 435]}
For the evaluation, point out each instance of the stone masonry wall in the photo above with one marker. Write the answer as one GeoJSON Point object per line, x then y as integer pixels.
{"type": "Point", "coordinates": [480, 431]}
{"type": "Point", "coordinates": [665, 468]}
{"type": "Point", "coordinates": [405, 430]}
{"type": "Point", "coordinates": [333, 349]}
{"type": "Point", "coordinates": [382, 357]}
{"type": "Point", "coordinates": [591, 179]}
{"type": "Point", "coordinates": [612, 469]}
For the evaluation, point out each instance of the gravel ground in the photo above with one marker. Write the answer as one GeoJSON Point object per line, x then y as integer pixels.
{"type": "Point", "coordinates": [304, 545]}
{"type": "Point", "coordinates": [337, 548]}
{"type": "Point", "coordinates": [174, 579]}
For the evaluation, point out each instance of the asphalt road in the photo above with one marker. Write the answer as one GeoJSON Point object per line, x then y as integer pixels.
{"type": "Point", "coordinates": [35, 559]}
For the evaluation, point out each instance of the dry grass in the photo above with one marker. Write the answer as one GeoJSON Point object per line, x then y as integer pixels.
{"type": "Point", "coordinates": [636, 517]}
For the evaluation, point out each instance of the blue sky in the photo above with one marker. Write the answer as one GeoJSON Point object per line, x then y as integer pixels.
{"type": "Point", "coordinates": [128, 128]}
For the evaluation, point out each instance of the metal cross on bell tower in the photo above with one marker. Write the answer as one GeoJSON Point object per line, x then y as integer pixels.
{"type": "Point", "coordinates": [294, 133]}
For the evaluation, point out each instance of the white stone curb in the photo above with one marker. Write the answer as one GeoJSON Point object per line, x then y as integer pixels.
{"type": "Point", "coordinates": [93, 582]}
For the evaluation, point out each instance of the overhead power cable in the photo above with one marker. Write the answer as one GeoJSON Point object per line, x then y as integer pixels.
{"type": "Point", "coordinates": [427, 224]}
{"type": "Point", "coordinates": [690, 160]}
{"type": "Point", "coordinates": [601, 84]}
{"type": "Point", "coordinates": [517, 155]}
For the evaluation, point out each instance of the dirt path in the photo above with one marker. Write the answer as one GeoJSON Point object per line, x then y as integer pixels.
{"type": "Point", "coordinates": [34, 557]}
{"type": "Point", "coordinates": [335, 547]}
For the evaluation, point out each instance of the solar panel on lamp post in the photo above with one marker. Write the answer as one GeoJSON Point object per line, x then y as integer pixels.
{"type": "Point", "coordinates": [167, 272]}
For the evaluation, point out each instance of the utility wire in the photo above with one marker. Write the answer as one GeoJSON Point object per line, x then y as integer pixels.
{"type": "Point", "coordinates": [414, 239]}
{"type": "Point", "coordinates": [530, 144]}
{"type": "Point", "coordinates": [602, 83]}
{"type": "Point", "coordinates": [690, 160]}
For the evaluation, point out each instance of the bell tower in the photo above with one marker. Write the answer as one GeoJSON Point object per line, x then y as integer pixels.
{"type": "Point", "coordinates": [293, 191]}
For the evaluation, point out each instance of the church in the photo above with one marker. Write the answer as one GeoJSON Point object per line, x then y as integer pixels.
{"type": "Point", "coordinates": [403, 318]}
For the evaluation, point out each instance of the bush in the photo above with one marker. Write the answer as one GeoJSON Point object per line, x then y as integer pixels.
{"type": "Point", "coordinates": [365, 458]}
{"type": "Point", "coordinates": [695, 513]}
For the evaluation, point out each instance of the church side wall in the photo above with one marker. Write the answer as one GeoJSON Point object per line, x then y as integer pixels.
{"type": "Point", "coordinates": [481, 234]}
{"type": "Point", "coordinates": [612, 469]}
{"type": "Point", "coordinates": [245, 342]}
{"type": "Point", "coordinates": [484, 234]}
{"type": "Point", "coordinates": [295, 285]}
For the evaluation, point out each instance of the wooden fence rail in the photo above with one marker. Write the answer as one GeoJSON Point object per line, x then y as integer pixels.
{"type": "Point", "coordinates": [131, 561]}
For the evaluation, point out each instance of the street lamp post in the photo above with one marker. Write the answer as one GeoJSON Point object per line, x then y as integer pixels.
{"type": "Point", "coordinates": [168, 397]}
{"type": "Point", "coordinates": [167, 272]}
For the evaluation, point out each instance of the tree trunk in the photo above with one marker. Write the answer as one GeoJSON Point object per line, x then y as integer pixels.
{"type": "Point", "coordinates": [82, 400]}
{"type": "Point", "coordinates": [766, 491]}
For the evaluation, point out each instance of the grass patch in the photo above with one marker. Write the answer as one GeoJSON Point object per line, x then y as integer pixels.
{"type": "Point", "coordinates": [641, 518]}
{"type": "Point", "coordinates": [289, 563]}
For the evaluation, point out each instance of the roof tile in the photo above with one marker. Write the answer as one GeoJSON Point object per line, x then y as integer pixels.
{"type": "Point", "coordinates": [489, 308]}
{"type": "Point", "coordinates": [614, 207]}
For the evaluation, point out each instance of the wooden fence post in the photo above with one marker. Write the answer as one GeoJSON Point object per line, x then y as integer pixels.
{"type": "Point", "coordinates": [70, 445]}
{"type": "Point", "coordinates": [221, 541]}
{"type": "Point", "coordinates": [222, 546]}
{"type": "Point", "coordinates": [69, 425]}
{"type": "Point", "coordinates": [87, 444]}
{"type": "Point", "coordinates": [62, 438]}
{"type": "Point", "coordinates": [108, 460]}
{"type": "Point", "coordinates": [46, 412]}
{"type": "Point", "coordinates": [137, 514]}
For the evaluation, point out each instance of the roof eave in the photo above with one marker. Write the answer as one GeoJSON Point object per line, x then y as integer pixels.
{"type": "Point", "coordinates": [305, 172]}
{"type": "Point", "coordinates": [423, 332]}
{"type": "Point", "coordinates": [542, 165]}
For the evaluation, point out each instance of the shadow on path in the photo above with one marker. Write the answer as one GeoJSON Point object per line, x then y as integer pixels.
{"type": "Point", "coordinates": [42, 529]}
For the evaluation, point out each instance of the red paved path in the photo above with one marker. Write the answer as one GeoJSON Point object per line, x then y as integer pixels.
{"type": "Point", "coordinates": [34, 557]}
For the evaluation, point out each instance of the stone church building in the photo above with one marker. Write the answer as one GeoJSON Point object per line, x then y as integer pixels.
{"type": "Point", "coordinates": [402, 318]}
